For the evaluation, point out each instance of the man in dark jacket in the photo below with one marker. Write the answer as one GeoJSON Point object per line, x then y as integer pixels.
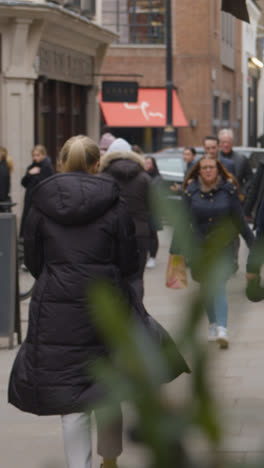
{"type": "Point", "coordinates": [211, 146]}
{"type": "Point", "coordinates": [243, 170]}
{"type": "Point", "coordinates": [255, 194]}
{"type": "Point", "coordinates": [39, 169]}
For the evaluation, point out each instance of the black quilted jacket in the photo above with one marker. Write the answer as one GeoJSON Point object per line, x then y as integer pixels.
{"type": "Point", "coordinates": [77, 231]}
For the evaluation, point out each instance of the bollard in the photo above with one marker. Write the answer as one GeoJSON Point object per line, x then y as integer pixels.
{"type": "Point", "coordinates": [8, 277]}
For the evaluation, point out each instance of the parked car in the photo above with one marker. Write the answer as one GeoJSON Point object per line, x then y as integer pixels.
{"type": "Point", "coordinates": [172, 168]}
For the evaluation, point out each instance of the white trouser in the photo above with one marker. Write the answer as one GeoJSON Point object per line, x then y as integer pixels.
{"type": "Point", "coordinates": [76, 430]}
{"type": "Point", "coordinates": [77, 440]}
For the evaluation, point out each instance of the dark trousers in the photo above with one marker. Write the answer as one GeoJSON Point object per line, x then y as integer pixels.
{"type": "Point", "coordinates": [153, 244]}
{"type": "Point", "coordinates": [137, 280]}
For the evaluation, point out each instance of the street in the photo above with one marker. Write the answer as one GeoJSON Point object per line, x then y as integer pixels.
{"type": "Point", "coordinates": [236, 376]}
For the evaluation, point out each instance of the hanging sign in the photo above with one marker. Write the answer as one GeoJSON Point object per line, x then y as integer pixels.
{"type": "Point", "coordinates": [119, 91]}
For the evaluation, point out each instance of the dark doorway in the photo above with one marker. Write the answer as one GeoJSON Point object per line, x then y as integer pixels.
{"type": "Point", "coordinates": [60, 112]}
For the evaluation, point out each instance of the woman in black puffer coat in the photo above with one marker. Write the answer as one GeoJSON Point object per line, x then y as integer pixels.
{"type": "Point", "coordinates": [78, 231]}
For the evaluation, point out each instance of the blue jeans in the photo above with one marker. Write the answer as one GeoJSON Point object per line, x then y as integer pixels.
{"type": "Point", "coordinates": [217, 306]}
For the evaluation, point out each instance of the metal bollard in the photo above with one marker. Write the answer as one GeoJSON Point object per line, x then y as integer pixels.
{"type": "Point", "coordinates": [8, 276]}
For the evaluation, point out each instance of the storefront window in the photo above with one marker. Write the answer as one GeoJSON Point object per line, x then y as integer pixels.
{"type": "Point", "coordinates": [225, 113]}
{"type": "Point", "coordinates": [136, 21]}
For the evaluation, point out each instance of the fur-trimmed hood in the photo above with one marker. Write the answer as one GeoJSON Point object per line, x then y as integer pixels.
{"type": "Point", "coordinates": [122, 164]}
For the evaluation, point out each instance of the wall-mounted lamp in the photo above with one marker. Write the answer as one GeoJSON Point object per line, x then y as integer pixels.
{"type": "Point", "coordinates": [193, 123]}
{"type": "Point", "coordinates": [256, 62]}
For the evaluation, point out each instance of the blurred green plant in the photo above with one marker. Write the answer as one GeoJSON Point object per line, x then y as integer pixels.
{"type": "Point", "coordinates": [138, 363]}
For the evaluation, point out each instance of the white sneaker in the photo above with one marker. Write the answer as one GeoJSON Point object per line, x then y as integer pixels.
{"type": "Point", "coordinates": [151, 263]}
{"type": "Point", "coordinates": [222, 337]}
{"type": "Point", "coordinates": [212, 332]}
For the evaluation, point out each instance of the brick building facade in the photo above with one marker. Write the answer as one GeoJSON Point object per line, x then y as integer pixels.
{"type": "Point", "coordinates": [206, 45]}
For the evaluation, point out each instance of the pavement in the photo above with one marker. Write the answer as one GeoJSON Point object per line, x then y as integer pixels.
{"type": "Point", "coordinates": [235, 375]}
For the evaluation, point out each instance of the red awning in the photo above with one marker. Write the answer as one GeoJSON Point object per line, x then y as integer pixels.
{"type": "Point", "coordinates": [148, 111]}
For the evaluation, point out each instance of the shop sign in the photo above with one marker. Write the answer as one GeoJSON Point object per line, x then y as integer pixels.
{"type": "Point", "coordinates": [119, 91]}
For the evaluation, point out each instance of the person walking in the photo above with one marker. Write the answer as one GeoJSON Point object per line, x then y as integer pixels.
{"type": "Point", "coordinates": [189, 154]}
{"type": "Point", "coordinates": [105, 141]}
{"type": "Point", "coordinates": [38, 170]}
{"type": "Point", "coordinates": [78, 231]}
{"type": "Point", "coordinates": [128, 170]}
{"type": "Point", "coordinates": [155, 222]}
{"type": "Point", "coordinates": [255, 194]}
{"type": "Point", "coordinates": [243, 172]}
{"type": "Point", "coordinates": [6, 167]}
{"type": "Point", "coordinates": [255, 260]}
{"type": "Point", "coordinates": [211, 146]}
{"type": "Point", "coordinates": [211, 198]}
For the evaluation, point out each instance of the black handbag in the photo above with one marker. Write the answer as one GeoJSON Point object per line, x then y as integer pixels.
{"type": "Point", "coordinates": [254, 290]}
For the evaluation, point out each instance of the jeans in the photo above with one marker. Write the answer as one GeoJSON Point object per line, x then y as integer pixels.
{"type": "Point", "coordinates": [76, 431]}
{"type": "Point", "coordinates": [217, 306]}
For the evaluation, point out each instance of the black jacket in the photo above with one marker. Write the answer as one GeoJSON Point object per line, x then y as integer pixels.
{"type": "Point", "coordinates": [4, 180]}
{"type": "Point", "coordinates": [207, 210]}
{"type": "Point", "coordinates": [255, 289]}
{"type": "Point", "coordinates": [255, 193]}
{"type": "Point", "coordinates": [128, 170]}
{"type": "Point", "coordinates": [29, 181]}
{"type": "Point", "coordinates": [243, 170]}
{"type": "Point", "coordinates": [78, 231]}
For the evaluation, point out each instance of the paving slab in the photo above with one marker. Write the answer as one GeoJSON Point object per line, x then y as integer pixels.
{"type": "Point", "coordinates": [236, 377]}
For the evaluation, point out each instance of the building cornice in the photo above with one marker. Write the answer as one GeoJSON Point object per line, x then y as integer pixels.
{"type": "Point", "coordinates": [56, 15]}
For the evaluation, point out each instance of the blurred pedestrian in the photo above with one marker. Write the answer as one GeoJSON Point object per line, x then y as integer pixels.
{"type": "Point", "coordinates": [243, 172]}
{"type": "Point", "coordinates": [38, 170]}
{"type": "Point", "coordinates": [255, 289]}
{"type": "Point", "coordinates": [128, 170]}
{"type": "Point", "coordinates": [211, 146]}
{"type": "Point", "coordinates": [155, 222]}
{"type": "Point", "coordinates": [105, 141]}
{"type": "Point", "coordinates": [6, 167]}
{"type": "Point", "coordinates": [137, 149]}
{"type": "Point", "coordinates": [255, 194]}
{"type": "Point", "coordinates": [78, 231]}
{"type": "Point", "coordinates": [189, 154]}
{"type": "Point", "coordinates": [211, 198]}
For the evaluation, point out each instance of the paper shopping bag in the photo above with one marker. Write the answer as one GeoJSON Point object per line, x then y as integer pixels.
{"type": "Point", "coordinates": [176, 277]}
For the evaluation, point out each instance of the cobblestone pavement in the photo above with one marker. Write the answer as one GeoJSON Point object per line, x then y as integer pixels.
{"type": "Point", "coordinates": [236, 376]}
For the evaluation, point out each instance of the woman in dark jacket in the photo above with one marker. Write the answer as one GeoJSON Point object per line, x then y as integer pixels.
{"type": "Point", "coordinates": [38, 170]}
{"type": "Point", "coordinates": [212, 199]}
{"type": "Point", "coordinates": [5, 171]}
{"type": "Point", "coordinates": [78, 231]}
{"type": "Point", "coordinates": [155, 223]}
{"type": "Point", "coordinates": [128, 170]}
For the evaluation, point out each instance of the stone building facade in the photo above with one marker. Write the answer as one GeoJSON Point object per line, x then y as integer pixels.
{"type": "Point", "coordinates": [51, 54]}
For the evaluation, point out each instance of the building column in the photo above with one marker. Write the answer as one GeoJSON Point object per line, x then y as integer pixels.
{"type": "Point", "coordinates": [20, 41]}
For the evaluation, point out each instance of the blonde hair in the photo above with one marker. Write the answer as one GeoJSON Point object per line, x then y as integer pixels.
{"type": "Point", "coordinates": [40, 148]}
{"type": "Point", "coordinates": [4, 155]}
{"type": "Point", "coordinates": [79, 153]}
